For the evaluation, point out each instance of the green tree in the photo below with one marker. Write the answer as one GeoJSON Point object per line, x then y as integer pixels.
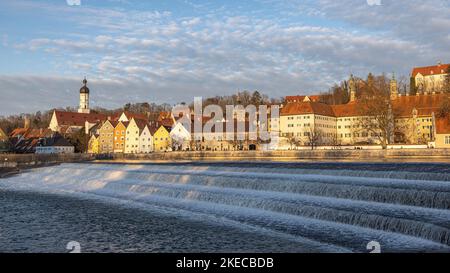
{"type": "Point", "coordinates": [79, 140]}
{"type": "Point", "coordinates": [256, 99]}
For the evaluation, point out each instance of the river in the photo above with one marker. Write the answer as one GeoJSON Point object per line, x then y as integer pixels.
{"type": "Point", "coordinates": [227, 207]}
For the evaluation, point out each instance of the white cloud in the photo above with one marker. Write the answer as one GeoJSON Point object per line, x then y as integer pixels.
{"type": "Point", "coordinates": [157, 56]}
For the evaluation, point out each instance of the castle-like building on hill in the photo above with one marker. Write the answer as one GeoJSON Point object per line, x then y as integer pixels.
{"type": "Point", "coordinates": [429, 79]}
{"type": "Point", "coordinates": [416, 119]}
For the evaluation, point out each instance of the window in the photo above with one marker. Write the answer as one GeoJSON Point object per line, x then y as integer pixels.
{"type": "Point", "coordinates": [447, 140]}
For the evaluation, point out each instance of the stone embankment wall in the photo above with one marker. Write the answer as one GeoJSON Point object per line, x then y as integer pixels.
{"type": "Point", "coordinates": [355, 155]}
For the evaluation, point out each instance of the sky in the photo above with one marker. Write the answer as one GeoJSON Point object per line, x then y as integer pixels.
{"type": "Point", "coordinates": [173, 50]}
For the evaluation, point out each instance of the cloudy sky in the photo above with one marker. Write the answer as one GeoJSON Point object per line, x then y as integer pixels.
{"type": "Point", "coordinates": [173, 50]}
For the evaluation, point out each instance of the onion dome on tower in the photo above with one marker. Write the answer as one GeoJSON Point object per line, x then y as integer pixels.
{"type": "Point", "coordinates": [84, 89]}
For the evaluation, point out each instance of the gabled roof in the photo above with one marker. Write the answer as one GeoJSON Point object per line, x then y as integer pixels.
{"type": "Point", "coordinates": [314, 98]}
{"type": "Point", "coordinates": [112, 122]}
{"type": "Point", "coordinates": [152, 128]}
{"type": "Point", "coordinates": [129, 115]}
{"type": "Point", "coordinates": [124, 123]}
{"type": "Point", "coordinates": [431, 70]}
{"type": "Point", "coordinates": [77, 119]}
{"type": "Point", "coordinates": [141, 124]}
{"type": "Point", "coordinates": [168, 129]}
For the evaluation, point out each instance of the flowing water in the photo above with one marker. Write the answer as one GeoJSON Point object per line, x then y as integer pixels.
{"type": "Point", "coordinates": [231, 207]}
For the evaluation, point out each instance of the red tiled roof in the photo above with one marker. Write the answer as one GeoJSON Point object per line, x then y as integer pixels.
{"type": "Point", "coordinates": [350, 109]}
{"type": "Point", "coordinates": [141, 124]}
{"type": "Point", "coordinates": [28, 133]}
{"type": "Point", "coordinates": [18, 131]}
{"type": "Point", "coordinates": [403, 106]}
{"type": "Point", "coordinates": [38, 133]}
{"type": "Point", "coordinates": [168, 122]}
{"type": "Point", "coordinates": [443, 125]}
{"type": "Point", "coordinates": [164, 115]}
{"type": "Point", "coordinates": [152, 128]}
{"type": "Point", "coordinates": [124, 123]}
{"type": "Point", "coordinates": [305, 108]}
{"type": "Point", "coordinates": [431, 70]}
{"type": "Point", "coordinates": [315, 98]}
{"type": "Point", "coordinates": [77, 119]}
{"type": "Point", "coordinates": [425, 104]}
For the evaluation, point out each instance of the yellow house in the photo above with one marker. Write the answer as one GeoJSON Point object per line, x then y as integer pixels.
{"type": "Point", "coordinates": [162, 140]}
{"type": "Point", "coordinates": [119, 136]}
{"type": "Point", "coordinates": [106, 137]}
{"type": "Point", "coordinates": [93, 145]}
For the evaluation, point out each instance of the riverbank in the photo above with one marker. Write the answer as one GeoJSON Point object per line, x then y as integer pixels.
{"type": "Point", "coordinates": [8, 171]}
{"type": "Point", "coordinates": [11, 164]}
{"type": "Point", "coordinates": [394, 155]}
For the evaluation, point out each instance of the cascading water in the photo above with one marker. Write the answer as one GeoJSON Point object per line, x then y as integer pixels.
{"type": "Point", "coordinates": [406, 211]}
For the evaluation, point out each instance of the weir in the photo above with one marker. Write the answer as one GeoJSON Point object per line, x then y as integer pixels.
{"type": "Point", "coordinates": [331, 207]}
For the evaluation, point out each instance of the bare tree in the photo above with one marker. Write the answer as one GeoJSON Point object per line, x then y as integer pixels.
{"type": "Point", "coordinates": [293, 141]}
{"type": "Point", "coordinates": [446, 84]}
{"type": "Point", "coordinates": [444, 108]}
{"type": "Point", "coordinates": [195, 145]}
{"type": "Point", "coordinates": [314, 137]}
{"type": "Point", "coordinates": [377, 112]}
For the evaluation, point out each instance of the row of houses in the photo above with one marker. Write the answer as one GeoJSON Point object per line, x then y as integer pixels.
{"type": "Point", "coordinates": [130, 134]}
{"type": "Point", "coordinates": [302, 120]}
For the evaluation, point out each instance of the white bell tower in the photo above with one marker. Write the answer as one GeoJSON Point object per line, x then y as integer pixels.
{"type": "Point", "coordinates": [84, 99]}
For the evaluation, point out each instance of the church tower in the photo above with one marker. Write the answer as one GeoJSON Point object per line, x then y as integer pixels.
{"type": "Point", "coordinates": [393, 87]}
{"type": "Point", "coordinates": [84, 99]}
{"type": "Point", "coordinates": [352, 88]}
